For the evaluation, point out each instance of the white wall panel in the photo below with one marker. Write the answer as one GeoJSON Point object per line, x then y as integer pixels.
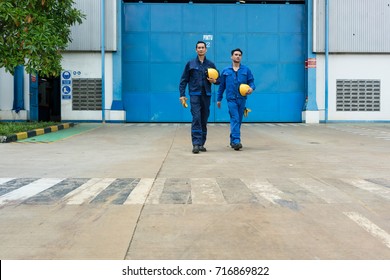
{"type": "Point", "coordinates": [354, 66]}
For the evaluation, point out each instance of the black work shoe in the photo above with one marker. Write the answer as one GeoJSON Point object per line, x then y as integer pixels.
{"type": "Point", "coordinates": [237, 146]}
{"type": "Point", "coordinates": [202, 148]}
{"type": "Point", "coordinates": [195, 149]}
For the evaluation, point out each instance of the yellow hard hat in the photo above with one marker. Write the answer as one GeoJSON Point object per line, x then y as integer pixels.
{"type": "Point", "coordinates": [244, 89]}
{"type": "Point", "coordinates": [212, 73]}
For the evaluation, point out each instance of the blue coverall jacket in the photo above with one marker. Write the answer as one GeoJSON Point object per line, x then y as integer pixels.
{"type": "Point", "coordinates": [194, 75]}
{"type": "Point", "coordinates": [230, 82]}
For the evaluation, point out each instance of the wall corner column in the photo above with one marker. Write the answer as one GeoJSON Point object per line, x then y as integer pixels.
{"type": "Point", "coordinates": [18, 103]}
{"type": "Point", "coordinates": [117, 103]}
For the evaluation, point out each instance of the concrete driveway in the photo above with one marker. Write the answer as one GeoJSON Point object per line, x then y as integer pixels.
{"type": "Point", "coordinates": [135, 191]}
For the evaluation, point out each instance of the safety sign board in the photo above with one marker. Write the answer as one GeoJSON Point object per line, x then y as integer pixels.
{"type": "Point", "coordinates": [66, 84]}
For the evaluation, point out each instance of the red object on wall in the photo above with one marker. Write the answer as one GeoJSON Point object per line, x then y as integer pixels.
{"type": "Point", "coordinates": [311, 63]}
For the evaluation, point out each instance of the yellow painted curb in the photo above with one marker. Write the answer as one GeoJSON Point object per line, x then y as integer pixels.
{"type": "Point", "coordinates": [40, 131]}
{"type": "Point", "coordinates": [21, 135]}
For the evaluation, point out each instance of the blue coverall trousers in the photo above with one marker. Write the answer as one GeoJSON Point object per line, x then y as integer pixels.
{"type": "Point", "coordinates": [236, 111]}
{"type": "Point", "coordinates": [200, 110]}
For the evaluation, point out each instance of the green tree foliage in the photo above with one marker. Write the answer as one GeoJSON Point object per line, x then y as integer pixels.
{"type": "Point", "coordinates": [34, 32]}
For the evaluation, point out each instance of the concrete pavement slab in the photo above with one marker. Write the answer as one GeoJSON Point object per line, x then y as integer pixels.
{"type": "Point", "coordinates": [66, 232]}
{"type": "Point", "coordinates": [250, 232]}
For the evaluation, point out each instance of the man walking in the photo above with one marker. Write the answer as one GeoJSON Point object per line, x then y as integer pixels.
{"type": "Point", "coordinates": [199, 87]}
{"type": "Point", "coordinates": [231, 79]}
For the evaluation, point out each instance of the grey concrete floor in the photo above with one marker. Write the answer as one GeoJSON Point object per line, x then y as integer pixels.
{"type": "Point", "coordinates": [135, 191]}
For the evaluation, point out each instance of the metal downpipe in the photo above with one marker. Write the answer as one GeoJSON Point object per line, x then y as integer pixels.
{"type": "Point", "coordinates": [326, 58]}
{"type": "Point", "coordinates": [103, 59]}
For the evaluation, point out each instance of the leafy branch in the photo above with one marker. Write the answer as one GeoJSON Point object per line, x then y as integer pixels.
{"type": "Point", "coordinates": [34, 33]}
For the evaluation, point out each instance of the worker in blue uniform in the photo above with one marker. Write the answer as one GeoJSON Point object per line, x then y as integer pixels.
{"type": "Point", "coordinates": [199, 88]}
{"type": "Point", "coordinates": [230, 80]}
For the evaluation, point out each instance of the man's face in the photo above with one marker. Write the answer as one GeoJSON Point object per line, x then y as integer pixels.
{"type": "Point", "coordinates": [201, 49]}
{"type": "Point", "coordinates": [236, 57]}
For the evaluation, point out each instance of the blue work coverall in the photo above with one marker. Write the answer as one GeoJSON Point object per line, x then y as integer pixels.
{"type": "Point", "coordinates": [199, 88]}
{"type": "Point", "coordinates": [230, 82]}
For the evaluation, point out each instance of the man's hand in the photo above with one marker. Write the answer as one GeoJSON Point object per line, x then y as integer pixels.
{"type": "Point", "coordinates": [250, 90]}
{"type": "Point", "coordinates": [211, 80]}
{"type": "Point", "coordinates": [219, 104]}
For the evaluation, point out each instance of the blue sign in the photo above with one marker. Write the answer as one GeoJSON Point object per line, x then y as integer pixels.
{"type": "Point", "coordinates": [66, 89]}
{"type": "Point", "coordinates": [66, 84]}
{"type": "Point", "coordinates": [66, 75]}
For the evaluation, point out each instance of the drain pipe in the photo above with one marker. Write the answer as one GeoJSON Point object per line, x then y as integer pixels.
{"type": "Point", "coordinates": [326, 58]}
{"type": "Point", "coordinates": [103, 59]}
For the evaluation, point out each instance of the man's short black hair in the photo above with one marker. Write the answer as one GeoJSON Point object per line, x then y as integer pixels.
{"type": "Point", "coordinates": [236, 50]}
{"type": "Point", "coordinates": [200, 42]}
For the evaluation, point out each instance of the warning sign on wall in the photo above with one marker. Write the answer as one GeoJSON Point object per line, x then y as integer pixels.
{"type": "Point", "coordinates": [311, 63]}
{"type": "Point", "coordinates": [66, 84]}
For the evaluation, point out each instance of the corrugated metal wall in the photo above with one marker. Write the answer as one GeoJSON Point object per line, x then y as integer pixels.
{"type": "Point", "coordinates": [355, 26]}
{"type": "Point", "coordinates": [86, 37]}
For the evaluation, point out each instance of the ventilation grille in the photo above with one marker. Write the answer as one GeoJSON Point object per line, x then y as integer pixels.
{"type": "Point", "coordinates": [358, 95]}
{"type": "Point", "coordinates": [87, 94]}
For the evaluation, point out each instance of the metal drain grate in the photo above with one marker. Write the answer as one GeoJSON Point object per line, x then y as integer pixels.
{"type": "Point", "coordinates": [358, 95]}
{"type": "Point", "coordinates": [87, 94]}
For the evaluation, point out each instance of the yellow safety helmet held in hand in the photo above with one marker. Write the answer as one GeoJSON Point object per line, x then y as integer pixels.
{"type": "Point", "coordinates": [212, 73]}
{"type": "Point", "coordinates": [244, 89]}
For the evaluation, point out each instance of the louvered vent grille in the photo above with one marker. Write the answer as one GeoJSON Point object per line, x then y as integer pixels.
{"type": "Point", "coordinates": [358, 95]}
{"type": "Point", "coordinates": [87, 94]}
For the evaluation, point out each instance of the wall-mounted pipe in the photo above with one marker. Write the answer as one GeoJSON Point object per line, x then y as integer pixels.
{"type": "Point", "coordinates": [326, 58]}
{"type": "Point", "coordinates": [103, 60]}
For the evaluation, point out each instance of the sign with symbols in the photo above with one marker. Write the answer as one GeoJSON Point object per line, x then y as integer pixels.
{"type": "Point", "coordinates": [66, 84]}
